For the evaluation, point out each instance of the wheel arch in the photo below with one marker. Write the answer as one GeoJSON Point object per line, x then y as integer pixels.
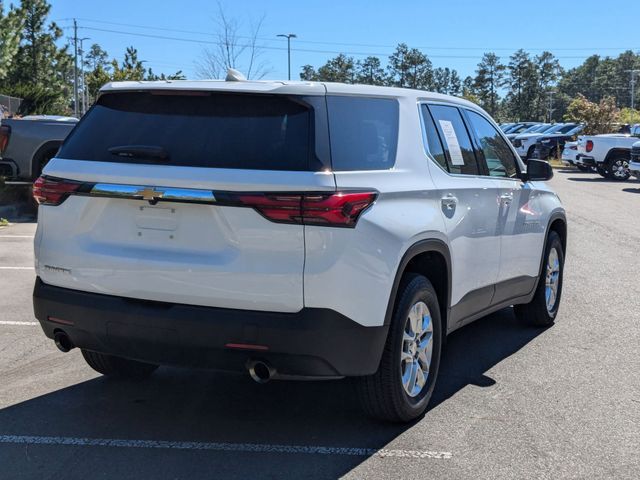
{"type": "Point", "coordinates": [432, 259]}
{"type": "Point", "coordinates": [557, 223]}
{"type": "Point", "coordinates": [51, 146]}
{"type": "Point", "coordinates": [614, 152]}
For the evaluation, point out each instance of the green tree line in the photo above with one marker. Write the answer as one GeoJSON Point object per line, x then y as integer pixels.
{"type": "Point", "coordinates": [35, 68]}
{"type": "Point", "coordinates": [521, 87]}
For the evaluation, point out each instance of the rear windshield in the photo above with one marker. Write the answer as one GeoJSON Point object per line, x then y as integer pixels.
{"type": "Point", "coordinates": [216, 130]}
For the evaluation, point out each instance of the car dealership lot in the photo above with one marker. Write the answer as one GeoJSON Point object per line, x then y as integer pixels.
{"type": "Point", "coordinates": [511, 401]}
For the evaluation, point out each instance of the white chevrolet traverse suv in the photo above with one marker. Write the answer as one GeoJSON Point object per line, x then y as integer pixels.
{"type": "Point", "coordinates": [291, 230]}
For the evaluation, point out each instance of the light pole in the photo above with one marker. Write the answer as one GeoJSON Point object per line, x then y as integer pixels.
{"type": "Point", "coordinates": [84, 88]}
{"type": "Point", "coordinates": [288, 36]}
{"type": "Point", "coordinates": [633, 90]}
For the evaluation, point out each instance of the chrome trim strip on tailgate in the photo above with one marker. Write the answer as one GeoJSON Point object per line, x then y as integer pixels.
{"type": "Point", "coordinates": [152, 194]}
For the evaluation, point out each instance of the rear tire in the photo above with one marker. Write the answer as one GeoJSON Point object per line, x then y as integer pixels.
{"type": "Point", "coordinates": [618, 169]}
{"type": "Point", "coordinates": [397, 392]}
{"type": "Point", "coordinates": [543, 308]}
{"type": "Point", "coordinates": [118, 367]}
{"type": "Point", "coordinates": [602, 172]}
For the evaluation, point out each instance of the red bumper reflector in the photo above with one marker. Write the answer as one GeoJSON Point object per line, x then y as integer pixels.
{"type": "Point", "coordinates": [60, 321]}
{"type": "Point", "coordinates": [246, 346]}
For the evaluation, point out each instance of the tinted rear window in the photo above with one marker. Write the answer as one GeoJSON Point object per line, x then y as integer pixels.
{"type": "Point", "coordinates": [363, 132]}
{"type": "Point", "coordinates": [217, 130]}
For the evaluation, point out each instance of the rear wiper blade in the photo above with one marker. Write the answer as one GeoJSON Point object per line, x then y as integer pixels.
{"type": "Point", "coordinates": [140, 151]}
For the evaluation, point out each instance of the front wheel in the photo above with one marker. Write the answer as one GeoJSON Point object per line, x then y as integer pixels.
{"type": "Point", "coordinates": [116, 366]}
{"type": "Point", "coordinates": [401, 388]}
{"type": "Point", "coordinates": [543, 308]}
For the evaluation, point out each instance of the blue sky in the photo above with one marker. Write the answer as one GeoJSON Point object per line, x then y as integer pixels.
{"type": "Point", "coordinates": [453, 33]}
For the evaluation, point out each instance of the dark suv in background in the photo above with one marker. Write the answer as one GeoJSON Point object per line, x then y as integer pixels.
{"type": "Point", "coordinates": [551, 146]}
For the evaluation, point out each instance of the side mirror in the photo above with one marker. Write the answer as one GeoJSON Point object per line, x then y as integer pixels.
{"type": "Point", "coordinates": [537, 170]}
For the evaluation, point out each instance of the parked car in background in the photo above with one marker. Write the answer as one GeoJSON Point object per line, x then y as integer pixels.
{"type": "Point", "coordinates": [505, 126]}
{"type": "Point", "coordinates": [539, 127]}
{"type": "Point", "coordinates": [569, 153]}
{"type": "Point", "coordinates": [28, 143]}
{"type": "Point", "coordinates": [209, 224]}
{"type": "Point", "coordinates": [526, 143]}
{"type": "Point", "coordinates": [634, 163]}
{"type": "Point", "coordinates": [549, 146]}
{"type": "Point", "coordinates": [519, 127]}
{"type": "Point", "coordinates": [609, 154]}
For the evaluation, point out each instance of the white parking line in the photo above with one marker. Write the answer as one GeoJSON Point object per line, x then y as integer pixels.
{"type": "Point", "coordinates": [222, 447]}
{"type": "Point", "coordinates": [17, 268]}
{"type": "Point", "coordinates": [9, 322]}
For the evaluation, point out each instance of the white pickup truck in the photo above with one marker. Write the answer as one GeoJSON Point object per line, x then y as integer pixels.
{"type": "Point", "coordinates": [609, 154]}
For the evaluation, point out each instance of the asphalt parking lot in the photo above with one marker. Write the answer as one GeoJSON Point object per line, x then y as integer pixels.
{"type": "Point", "coordinates": [511, 401]}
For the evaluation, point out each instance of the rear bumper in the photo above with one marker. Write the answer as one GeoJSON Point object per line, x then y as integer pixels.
{"type": "Point", "coordinates": [310, 343]}
{"type": "Point", "coordinates": [589, 161]}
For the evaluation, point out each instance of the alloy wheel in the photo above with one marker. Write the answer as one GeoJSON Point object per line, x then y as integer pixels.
{"type": "Point", "coordinates": [417, 349]}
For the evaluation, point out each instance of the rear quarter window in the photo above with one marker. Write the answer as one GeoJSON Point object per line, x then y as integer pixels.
{"type": "Point", "coordinates": [363, 132]}
{"type": "Point", "coordinates": [200, 129]}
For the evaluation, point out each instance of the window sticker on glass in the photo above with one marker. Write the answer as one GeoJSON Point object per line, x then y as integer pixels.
{"type": "Point", "coordinates": [452, 141]}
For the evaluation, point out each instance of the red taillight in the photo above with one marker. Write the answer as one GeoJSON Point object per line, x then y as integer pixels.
{"type": "Point", "coordinates": [53, 191]}
{"type": "Point", "coordinates": [337, 209]}
{"type": "Point", "coordinates": [589, 145]}
{"type": "Point", "coordinates": [5, 133]}
{"type": "Point", "coordinates": [340, 209]}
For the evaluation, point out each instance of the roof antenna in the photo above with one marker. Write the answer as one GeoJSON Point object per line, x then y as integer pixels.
{"type": "Point", "coordinates": [234, 75]}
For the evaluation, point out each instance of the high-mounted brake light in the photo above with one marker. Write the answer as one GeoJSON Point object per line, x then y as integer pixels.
{"type": "Point", "coordinates": [589, 145]}
{"type": "Point", "coordinates": [340, 209]}
{"type": "Point", "coordinates": [53, 191]}
{"type": "Point", "coordinates": [5, 133]}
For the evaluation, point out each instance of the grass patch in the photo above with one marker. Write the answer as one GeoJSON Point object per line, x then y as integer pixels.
{"type": "Point", "coordinates": [4, 222]}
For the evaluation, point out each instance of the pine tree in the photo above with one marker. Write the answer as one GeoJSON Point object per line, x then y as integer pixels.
{"type": "Point", "coordinates": [370, 72]}
{"type": "Point", "coordinates": [11, 25]}
{"type": "Point", "coordinates": [488, 80]}
{"type": "Point", "coordinates": [523, 91]}
{"type": "Point", "coordinates": [410, 68]}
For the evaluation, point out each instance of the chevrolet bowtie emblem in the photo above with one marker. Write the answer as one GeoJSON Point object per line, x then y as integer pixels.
{"type": "Point", "coordinates": [150, 193]}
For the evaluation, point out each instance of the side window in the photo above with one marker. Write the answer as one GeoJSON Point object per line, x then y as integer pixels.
{"type": "Point", "coordinates": [455, 139]}
{"type": "Point", "coordinates": [363, 132]}
{"type": "Point", "coordinates": [433, 139]}
{"type": "Point", "coordinates": [497, 154]}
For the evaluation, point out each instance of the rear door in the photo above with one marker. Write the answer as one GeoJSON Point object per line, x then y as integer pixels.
{"type": "Point", "coordinates": [187, 197]}
{"type": "Point", "coordinates": [470, 209]}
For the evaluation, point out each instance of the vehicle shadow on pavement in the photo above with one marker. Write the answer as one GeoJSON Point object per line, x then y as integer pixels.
{"type": "Point", "coordinates": [476, 348]}
{"type": "Point", "coordinates": [597, 179]}
{"type": "Point", "coordinates": [199, 406]}
{"type": "Point", "coordinates": [631, 190]}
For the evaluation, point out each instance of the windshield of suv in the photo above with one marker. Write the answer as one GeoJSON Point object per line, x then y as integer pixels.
{"type": "Point", "coordinates": [566, 128]}
{"type": "Point", "coordinates": [534, 128]}
{"type": "Point", "coordinates": [199, 129]}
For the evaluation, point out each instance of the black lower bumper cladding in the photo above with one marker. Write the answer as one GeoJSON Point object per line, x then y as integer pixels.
{"type": "Point", "coordinates": [311, 342]}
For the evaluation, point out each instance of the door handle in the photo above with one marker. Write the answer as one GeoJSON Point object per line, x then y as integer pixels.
{"type": "Point", "coordinates": [449, 202]}
{"type": "Point", "coordinates": [506, 198]}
